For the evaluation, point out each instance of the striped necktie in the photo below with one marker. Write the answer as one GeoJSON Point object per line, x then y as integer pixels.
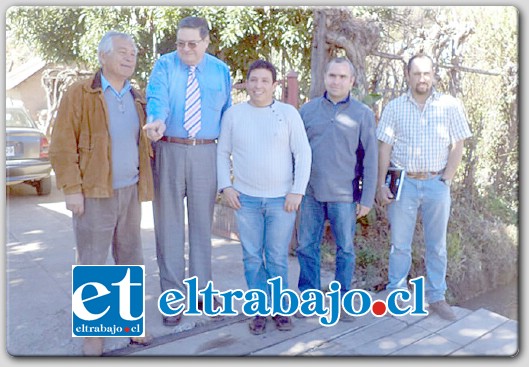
{"type": "Point", "coordinates": [192, 107]}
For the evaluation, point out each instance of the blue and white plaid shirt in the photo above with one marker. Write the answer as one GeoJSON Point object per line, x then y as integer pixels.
{"type": "Point", "coordinates": [421, 140]}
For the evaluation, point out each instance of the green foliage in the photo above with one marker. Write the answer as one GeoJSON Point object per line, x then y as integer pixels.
{"type": "Point", "coordinates": [71, 34]}
{"type": "Point", "coordinates": [366, 256]}
{"type": "Point", "coordinates": [371, 99]}
{"type": "Point", "coordinates": [328, 254]}
{"type": "Point", "coordinates": [53, 32]}
{"type": "Point", "coordinates": [495, 209]}
{"type": "Point", "coordinates": [282, 35]}
{"type": "Point", "coordinates": [454, 251]}
{"type": "Point", "coordinates": [482, 250]}
{"type": "Point", "coordinates": [492, 157]}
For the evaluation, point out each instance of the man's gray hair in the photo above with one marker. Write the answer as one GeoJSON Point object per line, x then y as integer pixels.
{"type": "Point", "coordinates": [341, 60]}
{"type": "Point", "coordinates": [106, 45]}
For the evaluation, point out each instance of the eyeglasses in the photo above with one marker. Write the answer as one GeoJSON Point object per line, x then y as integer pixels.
{"type": "Point", "coordinates": [191, 44]}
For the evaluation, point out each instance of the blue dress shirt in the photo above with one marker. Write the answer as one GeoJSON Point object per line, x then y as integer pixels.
{"type": "Point", "coordinates": [105, 84]}
{"type": "Point", "coordinates": [166, 92]}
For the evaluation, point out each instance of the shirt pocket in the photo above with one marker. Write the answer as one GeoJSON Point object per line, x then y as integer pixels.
{"type": "Point", "coordinates": [84, 151]}
{"type": "Point", "coordinates": [214, 97]}
{"type": "Point", "coordinates": [441, 130]}
{"type": "Point", "coordinates": [92, 149]}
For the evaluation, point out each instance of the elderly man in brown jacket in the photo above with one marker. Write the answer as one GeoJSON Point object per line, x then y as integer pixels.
{"type": "Point", "coordinates": [101, 158]}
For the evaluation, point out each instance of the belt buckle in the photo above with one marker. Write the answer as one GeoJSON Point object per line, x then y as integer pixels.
{"type": "Point", "coordinates": [193, 141]}
{"type": "Point", "coordinates": [419, 175]}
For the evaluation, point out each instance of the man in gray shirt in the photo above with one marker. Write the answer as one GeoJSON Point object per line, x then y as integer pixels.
{"type": "Point", "coordinates": [337, 126]}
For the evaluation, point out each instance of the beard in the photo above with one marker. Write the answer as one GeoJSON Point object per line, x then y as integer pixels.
{"type": "Point", "coordinates": [423, 89]}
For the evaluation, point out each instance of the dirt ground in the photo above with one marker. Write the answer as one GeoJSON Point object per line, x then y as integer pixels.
{"type": "Point", "coordinates": [503, 300]}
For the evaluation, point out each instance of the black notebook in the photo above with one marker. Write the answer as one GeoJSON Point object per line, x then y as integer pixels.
{"type": "Point", "coordinates": [394, 180]}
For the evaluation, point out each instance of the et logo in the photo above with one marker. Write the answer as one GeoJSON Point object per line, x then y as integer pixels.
{"type": "Point", "coordinates": [108, 300]}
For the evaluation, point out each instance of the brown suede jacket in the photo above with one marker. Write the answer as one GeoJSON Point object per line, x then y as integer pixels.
{"type": "Point", "coordinates": [80, 150]}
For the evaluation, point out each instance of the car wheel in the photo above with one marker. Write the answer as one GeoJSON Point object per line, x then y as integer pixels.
{"type": "Point", "coordinates": [43, 186]}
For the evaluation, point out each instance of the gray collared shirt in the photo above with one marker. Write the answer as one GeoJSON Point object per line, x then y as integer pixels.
{"type": "Point", "coordinates": [335, 132]}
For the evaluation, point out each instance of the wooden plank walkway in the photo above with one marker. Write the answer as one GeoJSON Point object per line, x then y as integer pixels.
{"type": "Point", "coordinates": [40, 254]}
{"type": "Point", "coordinates": [475, 333]}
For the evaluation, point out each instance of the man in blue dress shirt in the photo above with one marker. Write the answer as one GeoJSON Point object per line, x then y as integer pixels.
{"type": "Point", "coordinates": [187, 93]}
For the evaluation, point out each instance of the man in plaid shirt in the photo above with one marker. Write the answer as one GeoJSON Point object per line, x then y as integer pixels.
{"type": "Point", "coordinates": [422, 131]}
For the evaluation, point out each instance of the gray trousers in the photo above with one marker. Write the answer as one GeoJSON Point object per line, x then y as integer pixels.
{"type": "Point", "coordinates": [110, 223]}
{"type": "Point", "coordinates": [184, 171]}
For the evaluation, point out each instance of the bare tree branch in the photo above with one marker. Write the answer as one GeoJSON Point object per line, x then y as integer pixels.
{"type": "Point", "coordinates": [386, 55]}
{"type": "Point", "coordinates": [470, 70]}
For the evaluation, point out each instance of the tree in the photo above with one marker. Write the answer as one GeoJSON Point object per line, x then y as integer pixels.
{"type": "Point", "coordinates": [56, 81]}
{"type": "Point", "coordinates": [334, 30]}
{"type": "Point", "coordinates": [475, 53]}
{"type": "Point", "coordinates": [69, 36]}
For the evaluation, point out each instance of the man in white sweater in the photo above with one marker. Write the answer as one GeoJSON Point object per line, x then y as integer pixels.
{"type": "Point", "coordinates": [263, 144]}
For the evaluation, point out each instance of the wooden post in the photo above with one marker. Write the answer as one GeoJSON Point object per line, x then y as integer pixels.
{"type": "Point", "coordinates": [292, 88]}
{"type": "Point", "coordinates": [293, 99]}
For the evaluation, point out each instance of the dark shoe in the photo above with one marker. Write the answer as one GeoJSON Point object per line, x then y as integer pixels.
{"type": "Point", "coordinates": [141, 340]}
{"type": "Point", "coordinates": [93, 346]}
{"type": "Point", "coordinates": [299, 315]}
{"type": "Point", "coordinates": [216, 306]}
{"type": "Point", "coordinates": [172, 320]}
{"type": "Point", "coordinates": [283, 323]}
{"type": "Point", "coordinates": [217, 318]}
{"type": "Point", "coordinates": [257, 325]}
{"type": "Point", "coordinates": [444, 310]}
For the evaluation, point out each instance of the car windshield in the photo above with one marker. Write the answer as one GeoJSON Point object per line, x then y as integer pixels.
{"type": "Point", "coordinates": [16, 118]}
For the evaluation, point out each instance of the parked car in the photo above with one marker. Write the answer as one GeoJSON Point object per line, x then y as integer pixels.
{"type": "Point", "coordinates": [27, 158]}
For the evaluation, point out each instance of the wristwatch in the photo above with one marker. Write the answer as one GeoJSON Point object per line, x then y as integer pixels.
{"type": "Point", "coordinates": [446, 181]}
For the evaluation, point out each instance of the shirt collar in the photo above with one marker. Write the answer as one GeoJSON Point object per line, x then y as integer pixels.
{"type": "Point", "coordinates": [434, 96]}
{"type": "Point", "coordinates": [345, 100]}
{"type": "Point", "coordinates": [106, 84]}
{"type": "Point", "coordinates": [200, 66]}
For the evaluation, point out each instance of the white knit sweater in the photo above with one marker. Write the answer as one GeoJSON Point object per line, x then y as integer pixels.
{"type": "Point", "coordinates": [268, 149]}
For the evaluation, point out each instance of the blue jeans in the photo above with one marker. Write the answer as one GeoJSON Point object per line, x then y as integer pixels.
{"type": "Point", "coordinates": [342, 217]}
{"type": "Point", "coordinates": [432, 198]}
{"type": "Point", "coordinates": [265, 230]}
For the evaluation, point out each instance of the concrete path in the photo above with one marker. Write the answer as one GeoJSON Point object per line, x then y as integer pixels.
{"type": "Point", "coordinates": [40, 251]}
